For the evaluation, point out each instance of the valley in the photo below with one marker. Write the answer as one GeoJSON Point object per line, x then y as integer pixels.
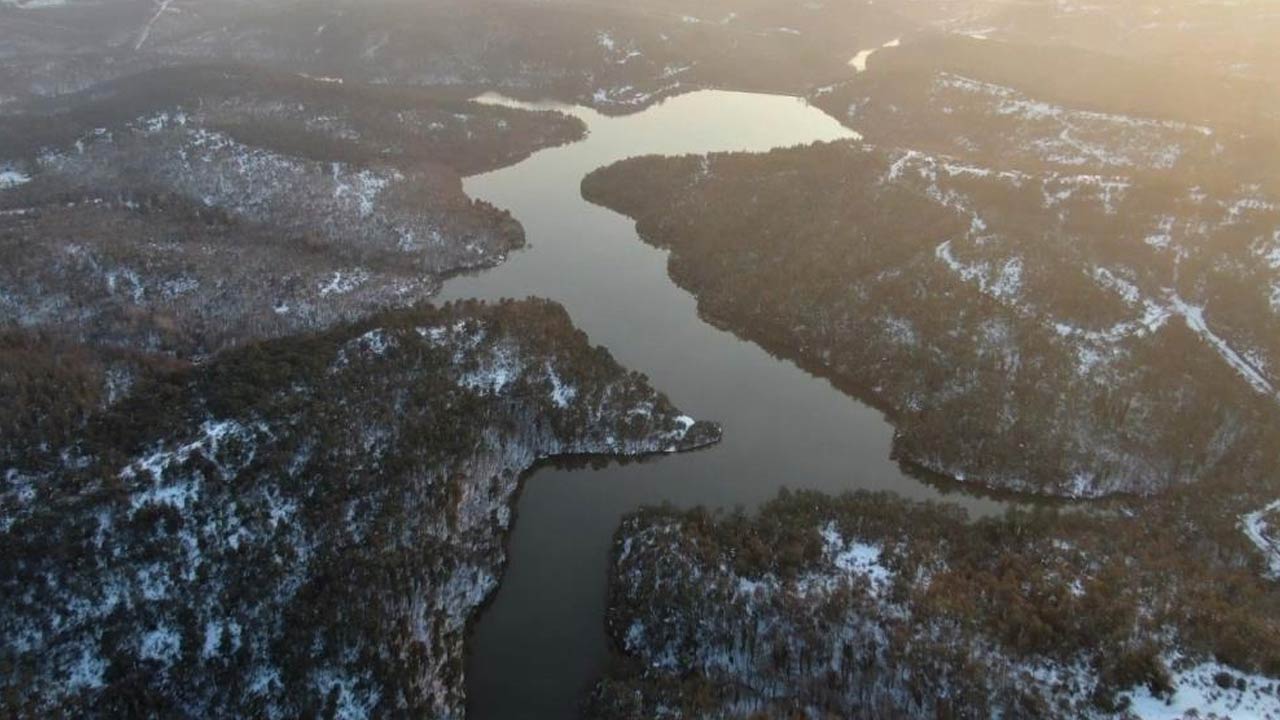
{"type": "Point", "coordinates": [748, 358]}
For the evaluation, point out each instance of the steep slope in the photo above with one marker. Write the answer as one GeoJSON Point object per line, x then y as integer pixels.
{"type": "Point", "coordinates": [1058, 333]}
{"type": "Point", "coordinates": [866, 606]}
{"type": "Point", "coordinates": [302, 526]}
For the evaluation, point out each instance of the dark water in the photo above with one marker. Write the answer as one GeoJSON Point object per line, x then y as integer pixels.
{"type": "Point", "coordinates": [540, 644]}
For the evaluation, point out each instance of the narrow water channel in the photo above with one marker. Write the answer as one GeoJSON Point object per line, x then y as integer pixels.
{"type": "Point", "coordinates": [542, 641]}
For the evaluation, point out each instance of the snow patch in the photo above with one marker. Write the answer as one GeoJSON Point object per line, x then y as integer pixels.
{"type": "Point", "coordinates": [1003, 283]}
{"type": "Point", "coordinates": [162, 644]}
{"type": "Point", "coordinates": [211, 439]}
{"type": "Point", "coordinates": [1264, 535]}
{"type": "Point", "coordinates": [562, 393]}
{"type": "Point", "coordinates": [1078, 137]}
{"type": "Point", "coordinates": [1194, 316]}
{"type": "Point", "coordinates": [859, 61]}
{"type": "Point", "coordinates": [855, 557]}
{"type": "Point", "coordinates": [12, 178]}
{"type": "Point", "coordinates": [33, 4]}
{"type": "Point", "coordinates": [341, 283]}
{"type": "Point", "coordinates": [364, 187]}
{"type": "Point", "coordinates": [1198, 693]}
{"type": "Point", "coordinates": [496, 371]}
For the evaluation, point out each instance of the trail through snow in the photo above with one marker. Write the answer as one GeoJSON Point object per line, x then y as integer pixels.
{"type": "Point", "coordinates": [146, 29]}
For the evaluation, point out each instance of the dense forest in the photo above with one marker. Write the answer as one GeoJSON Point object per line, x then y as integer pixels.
{"type": "Point", "coordinates": [309, 118]}
{"type": "Point", "coordinates": [187, 210]}
{"type": "Point", "coordinates": [617, 57]}
{"type": "Point", "coordinates": [868, 606]}
{"type": "Point", "coordinates": [622, 56]}
{"type": "Point", "coordinates": [299, 527]}
{"type": "Point", "coordinates": [1036, 108]}
{"type": "Point", "coordinates": [247, 470]}
{"type": "Point", "coordinates": [1048, 333]}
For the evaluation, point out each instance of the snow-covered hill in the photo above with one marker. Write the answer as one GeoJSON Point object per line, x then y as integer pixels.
{"type": "Point", "coordinates": [304, 526]}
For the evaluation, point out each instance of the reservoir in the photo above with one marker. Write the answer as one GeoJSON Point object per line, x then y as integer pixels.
{"type": "Point", "coordinates": [541, 642]}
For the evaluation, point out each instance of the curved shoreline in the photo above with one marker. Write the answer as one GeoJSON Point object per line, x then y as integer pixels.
{"type": "Point", "coordinates": [541, 638]}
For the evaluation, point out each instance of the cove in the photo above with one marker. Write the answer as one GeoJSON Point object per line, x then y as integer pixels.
{"type": "Point", "coordinates": [538, 646]}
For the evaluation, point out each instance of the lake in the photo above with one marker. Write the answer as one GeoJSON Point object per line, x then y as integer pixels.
{"type": "Point", "coordinates": [539, 645]}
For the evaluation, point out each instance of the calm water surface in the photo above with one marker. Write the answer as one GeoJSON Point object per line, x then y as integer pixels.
{"type": "Point", "coordinates": [539, 645]}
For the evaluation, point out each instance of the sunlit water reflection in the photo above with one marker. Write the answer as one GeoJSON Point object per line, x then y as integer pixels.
{"type": "Point", "coordinates": [542, 641]}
